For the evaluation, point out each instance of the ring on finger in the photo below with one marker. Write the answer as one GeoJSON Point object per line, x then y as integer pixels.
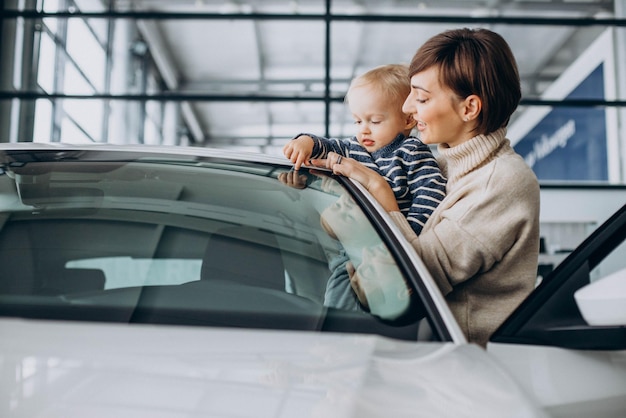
{"type": "Point", "coordinates": [339, 159]}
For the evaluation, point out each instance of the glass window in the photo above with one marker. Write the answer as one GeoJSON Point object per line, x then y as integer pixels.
{"type": "Point", "coordinates": [304, 54]}
{"type": "Point", "coordinates": [99, 26]}
{"type": "Point", "coordinates": [189, 240]}
{"type": "Point", "coordinates": [43, 121]}
{"type": "Point", "coordinates": [614, 262]}
{"type": "Point", "coordinates": [71, 133]}
{"type": "Point", "coordinates": [46, 79]}
{"type": "Point", "coordinates": [86, 113]}
{"type": "Point", "coordinates": [243, 119]}
{"type": "Point", "coordinates": [152, 134]}
{"type": "Point", "coordinates": [153, 131]}
{"type": "Point", "coordinates": [342, 123]}
{"type": "Point", "coordinates": [292, 118]}
{"type": "Point", "coordinates": [51, 6]}
{"type": "Point", "coordinates": [86, 52]}
{"type": "Point", "coordinates": [74, 80]}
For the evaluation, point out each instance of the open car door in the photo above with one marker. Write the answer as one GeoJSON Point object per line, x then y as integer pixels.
{"type": "Point", "coordinates": [567, 342]}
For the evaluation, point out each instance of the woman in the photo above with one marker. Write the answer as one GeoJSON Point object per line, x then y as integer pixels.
{"type": "Point", "coordinates": [481, 243]}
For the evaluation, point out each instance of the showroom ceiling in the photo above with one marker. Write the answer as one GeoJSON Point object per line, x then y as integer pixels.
{"type": "Point", "coordinates": [232, 50]}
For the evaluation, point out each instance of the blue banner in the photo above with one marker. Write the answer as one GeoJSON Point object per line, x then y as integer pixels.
{"type": "Point", "coordinates": [570, 143]}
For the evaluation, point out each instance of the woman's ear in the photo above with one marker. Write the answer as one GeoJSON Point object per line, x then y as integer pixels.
{"type": "Point", "coordinates": [472, 105]}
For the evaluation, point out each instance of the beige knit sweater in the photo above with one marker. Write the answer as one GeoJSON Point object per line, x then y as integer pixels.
{"type": "Point", "coordinates": [481, 244]}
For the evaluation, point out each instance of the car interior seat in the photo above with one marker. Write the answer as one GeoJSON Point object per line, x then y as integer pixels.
{"type": "Point", "coordinates": [74, 281]}
{"type": "Point", "coordinates": [245, 255]}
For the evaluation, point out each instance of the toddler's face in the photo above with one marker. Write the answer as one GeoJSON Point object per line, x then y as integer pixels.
{"type": "Point", "coordinates": [377, 118]}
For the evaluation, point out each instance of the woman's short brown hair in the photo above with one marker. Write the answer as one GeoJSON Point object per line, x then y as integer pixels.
{"type": "Point", "coordinates": [474, 61]}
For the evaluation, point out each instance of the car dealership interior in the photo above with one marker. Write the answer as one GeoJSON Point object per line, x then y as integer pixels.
{"type": "Point", "coordinates": [249, 75]}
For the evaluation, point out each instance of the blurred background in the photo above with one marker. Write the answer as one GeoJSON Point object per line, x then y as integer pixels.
{"type": "Point", "coordinates": [251, 74]}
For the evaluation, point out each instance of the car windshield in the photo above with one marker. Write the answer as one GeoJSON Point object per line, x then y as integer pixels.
{"type": "Point", "coordinates": [158, 238]}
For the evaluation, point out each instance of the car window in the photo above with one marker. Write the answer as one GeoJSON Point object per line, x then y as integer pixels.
{"type": "Point", "coordinates": [186, 240]}
{"type": "Point", "coordinates": [613, 262]}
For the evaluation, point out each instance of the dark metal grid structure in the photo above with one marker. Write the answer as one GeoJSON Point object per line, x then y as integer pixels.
{"type": "Point", "coordinates": [582, 20]}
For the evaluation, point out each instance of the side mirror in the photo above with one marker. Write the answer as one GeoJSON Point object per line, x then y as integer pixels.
{"type": "Point", "coordinates": [603, 302]}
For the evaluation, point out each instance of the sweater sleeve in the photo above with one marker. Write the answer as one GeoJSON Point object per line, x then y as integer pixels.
{"type": "Point", "coordinates": [450, 252]}
{"type": "Point", "coordinates": [409, 233]}
{"type": "Point", "coordinates": [322, 146]}
{"type": "Point", "coordinates": [427, 185]}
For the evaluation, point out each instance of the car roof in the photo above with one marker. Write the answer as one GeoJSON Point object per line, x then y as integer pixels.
{"type": "Point", "coordinates": [156, 149]}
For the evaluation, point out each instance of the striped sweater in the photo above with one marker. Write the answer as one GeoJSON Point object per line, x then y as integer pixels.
{"type": "Point", "coordinates": [406, 163]}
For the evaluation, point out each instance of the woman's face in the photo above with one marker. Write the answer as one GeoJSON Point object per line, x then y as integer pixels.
{"type": "Point", "coordinates": [437, 110]}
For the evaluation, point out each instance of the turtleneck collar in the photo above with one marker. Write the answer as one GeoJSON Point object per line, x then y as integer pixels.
{"type": "Point", "coordinates": [472, 153]}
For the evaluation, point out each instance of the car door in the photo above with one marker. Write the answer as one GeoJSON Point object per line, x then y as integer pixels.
{"type": "Point", "coordinates": [572, 367]}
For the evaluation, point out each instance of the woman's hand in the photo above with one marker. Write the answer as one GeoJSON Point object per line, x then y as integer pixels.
{"type": "Point", "coordinates": [372, 181]}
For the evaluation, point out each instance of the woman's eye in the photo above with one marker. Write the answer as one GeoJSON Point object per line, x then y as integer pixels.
{"type": "Point", "coordinates": [421, 101]}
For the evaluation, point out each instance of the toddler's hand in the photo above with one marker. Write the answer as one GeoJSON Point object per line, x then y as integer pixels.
{"type": "Point", "coordinates": [299, 150]}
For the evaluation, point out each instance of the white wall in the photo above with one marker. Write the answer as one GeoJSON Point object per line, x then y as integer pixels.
{"type": "Point", "coordinates": [587, 205]}
{"type": "Point", "coordinates": [569, 215]}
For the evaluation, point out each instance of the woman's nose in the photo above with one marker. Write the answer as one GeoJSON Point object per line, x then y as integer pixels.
{"type": "Point", "coordinates": [408, 106]}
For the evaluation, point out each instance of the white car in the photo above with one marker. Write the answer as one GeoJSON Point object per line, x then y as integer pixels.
{"type": "Point", "coordinates": [186, 282]}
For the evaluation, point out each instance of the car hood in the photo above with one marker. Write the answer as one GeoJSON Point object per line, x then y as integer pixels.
{"type": "Point", "coordinates": [57, 369]}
